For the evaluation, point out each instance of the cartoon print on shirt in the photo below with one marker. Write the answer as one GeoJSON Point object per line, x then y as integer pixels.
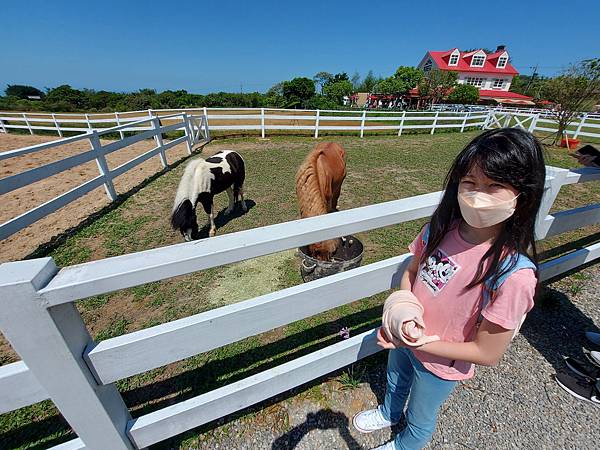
{"type": "Point", "coordinates": [438, 270]}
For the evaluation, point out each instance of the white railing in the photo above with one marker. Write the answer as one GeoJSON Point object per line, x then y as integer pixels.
{"type": "Point", "coordinates": [62, 362]}
{"type": "Point", "coordinates": [586, 124]}
{"type": "Point", "coordinates": [265, 120]}
{"type": "Point", "coordinates": [262, 120]}
{"type": "Point", "coordinates": [195, 131]}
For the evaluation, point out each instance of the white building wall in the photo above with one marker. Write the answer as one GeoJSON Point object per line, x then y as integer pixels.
{"type": "Point", "coordinates": [488, 80]}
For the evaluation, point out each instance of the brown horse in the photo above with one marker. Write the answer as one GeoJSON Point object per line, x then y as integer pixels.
{"type": "Point", "coordinates": [318, 185]}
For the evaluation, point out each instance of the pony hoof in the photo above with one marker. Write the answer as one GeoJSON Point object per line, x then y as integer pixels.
{"type": "Point", "coordinates": [212, 233]}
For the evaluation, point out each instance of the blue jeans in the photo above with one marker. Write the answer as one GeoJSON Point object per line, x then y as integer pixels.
{"type": "Point", "coordinates": [406, 375]}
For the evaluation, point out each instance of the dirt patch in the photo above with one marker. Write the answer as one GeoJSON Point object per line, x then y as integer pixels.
{"type": "Point", "coordinates": [24, 199]}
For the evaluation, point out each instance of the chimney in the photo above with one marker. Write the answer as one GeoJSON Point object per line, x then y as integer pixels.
{"type": "Point", "coordinates": [500, 48]}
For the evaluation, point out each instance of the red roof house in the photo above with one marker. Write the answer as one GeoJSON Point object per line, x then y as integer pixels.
{"type": "Point", "coordinates": [491, 73]}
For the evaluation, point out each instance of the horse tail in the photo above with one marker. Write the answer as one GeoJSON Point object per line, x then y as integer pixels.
{"type": "Point", "coordinates": [308, 191]}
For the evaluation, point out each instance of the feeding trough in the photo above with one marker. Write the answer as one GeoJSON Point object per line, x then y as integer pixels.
{"type": "Point", "coordinates": [348, 255]}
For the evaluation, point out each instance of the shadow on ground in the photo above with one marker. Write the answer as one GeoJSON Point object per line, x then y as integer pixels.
{"type": "Point", "coordinates": [56, 241]}
{"type": "Point", "coordinates": [222, 219]}
{"type": "Point", "coordinates": [323, 419]}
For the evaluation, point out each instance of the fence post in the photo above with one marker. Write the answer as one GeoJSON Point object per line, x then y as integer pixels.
{"type": "Point", "coordinates": [87, 119]}
{"type": "Point", "coordinates": [435, 122]}
{"type": "Point", "coordinates": [119, 124]}
{"type": "Point", "coordinates": [262, 123]}
{"type": "Point", "coordinates": [550, 193]}
{"type": "Point", "coordinates": [206, 116]}
{"type": "Point", "coordinates": [54, 354]}
{"type": "Point", "coordinates": [362, 123]}
{"type": "Point", "coordinates": [159, 141]}
{"type": "Point", "coordinates": [3, 127]}
{"type": "Point", "coordinates": [103, 166]}
{"type": "Point", "coordinates": [188, 133]}
{"type": "Point", "coordinates": [204, 121]}
{"type": "Point", "coordinates": [581, 121]}
{"type": "Point", "coordinates": [317, 123]}
{"type": "Point", "coordinates": [401, 123]}
{"type": "Point", "coordinates": [533, 123]}
{"type": "Point", "coordinates": [487, 120]}
{"type": "Point", "coordinates": [462, 128]}
{"type": "Point", "coordinates": [507, 121]}
{"type": "Point", "coordinates": [56, 125]}
{"type": "Point", "coordinates": [27, 123]}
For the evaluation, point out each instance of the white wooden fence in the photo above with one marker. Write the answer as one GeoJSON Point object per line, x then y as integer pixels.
{"type": "Point", "coordinates": [194, 128]}
{"type": "Point", "coordinates": [61, 362]}
{"type": "Point", "coordinates": [262, 120]}
{"type": "Point", "coordinates": [265, 120]}
{"type": "Point", "coordinates": [586, 125]}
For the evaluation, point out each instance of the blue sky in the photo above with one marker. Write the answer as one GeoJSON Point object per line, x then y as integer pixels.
{"type": "Point", "coordinates": [208, 46]}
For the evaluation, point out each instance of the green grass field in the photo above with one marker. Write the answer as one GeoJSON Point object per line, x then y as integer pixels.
{"type": "Point", "coordinates": [379, 169]}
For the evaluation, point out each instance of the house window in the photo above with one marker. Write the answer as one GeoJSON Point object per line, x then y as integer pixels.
{"type": "Point", "coordinates": [502, 62]}
{"type": "Point", "coordinates": [497, 83]}
{"type": "Point", "coordinates": [427, 66]}
{"type": "Point", "coordinates": [478, 61]}
{"type": "Point", "coordinates": [474, 81]}
{"type": "Point", "coordinates": [453, 59]}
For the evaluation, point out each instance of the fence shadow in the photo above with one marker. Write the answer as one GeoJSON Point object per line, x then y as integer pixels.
{"type": "Point", "coordinates": [56, 241]}
{"type": "Point", "coordinates": [556, 327]}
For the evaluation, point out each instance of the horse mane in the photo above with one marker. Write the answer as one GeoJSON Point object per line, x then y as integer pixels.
{"type": "Point", "coordinates": [195, 179]}
{"type": "Point", "coordinates": [308, 191]}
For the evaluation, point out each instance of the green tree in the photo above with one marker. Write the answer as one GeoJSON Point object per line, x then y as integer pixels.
{"type": "Point", "coordinates": [408, 76]}
{"type": "Point", "coordinates": [577, 89]}
{"type": "Point", "coordinates": [401, 82]}
{"type": "Point", "coordinates": [464, 94]}
{"type": "Point", "coordinates": [65, 94]}
{"type": "Point", "coordinates": [321, 79]}
{"type": "Point", "coordinates": [355, 81]}
{"type": "Point", "coordinates": [336, 91]}
{"type": "Point", "coordinates": [531, 85]}
{"type": "Point", "coordinates": [297, 91]}
{"type": "Point", "coordinates": [342, 76]}
{"type": "Point", "coordinates": [436, 84]}
{"type": "Point", "coordinates": [22, 91]}
{"type": "Point", "coordinates": [369, 82]}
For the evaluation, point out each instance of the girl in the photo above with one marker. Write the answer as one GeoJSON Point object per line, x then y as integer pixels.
{"type": "Point", "coordinates": [472, 276]}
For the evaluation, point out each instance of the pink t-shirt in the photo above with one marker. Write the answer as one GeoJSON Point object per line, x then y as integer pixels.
{"type": "Point", "coordinates": [451, 312]}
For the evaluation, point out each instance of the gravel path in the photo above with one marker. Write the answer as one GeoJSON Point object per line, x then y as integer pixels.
{"type": "Point", "coordinates": [514, 405]}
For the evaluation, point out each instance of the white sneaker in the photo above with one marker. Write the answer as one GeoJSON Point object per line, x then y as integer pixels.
{"type": "Point", "coordinates": [387, 446]}
{"type": "Point", "coordinates": [371, 420]}
{"type": "Point", "coordinates": [594, 338]}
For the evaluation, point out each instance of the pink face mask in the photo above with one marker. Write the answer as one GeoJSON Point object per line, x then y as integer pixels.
{"type": "Point", "coordinates": [481, 210]}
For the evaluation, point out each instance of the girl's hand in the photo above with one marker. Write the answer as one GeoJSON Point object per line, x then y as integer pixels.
{"type": "Point", "coordinates": [383, 341]}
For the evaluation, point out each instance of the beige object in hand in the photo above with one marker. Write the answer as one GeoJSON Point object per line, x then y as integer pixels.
{"type": "Point", "coordinates": [402, 320]}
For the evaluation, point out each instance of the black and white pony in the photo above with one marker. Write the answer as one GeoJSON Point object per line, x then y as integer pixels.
{"type": "Point", "coordinates": [201, 181]}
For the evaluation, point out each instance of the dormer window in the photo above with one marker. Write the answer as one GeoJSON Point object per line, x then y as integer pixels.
{"type": "Point", "coordinates": [454, 58]}
{"type": "Point", "coordinates": [477, 61]}
{"type": "Point", "coordinates": [502, 62]}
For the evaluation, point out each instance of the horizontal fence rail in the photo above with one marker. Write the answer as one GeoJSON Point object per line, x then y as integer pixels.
{"type": "Point", "coordinates": [265, 120]}
{"type": "Point", "coordinates": [193, 127]}
{"type": "Point", "coordinates": [37, 293]}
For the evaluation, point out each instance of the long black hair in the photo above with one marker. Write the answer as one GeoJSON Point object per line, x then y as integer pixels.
{"type": "Point", "coordinates": [507, 155]}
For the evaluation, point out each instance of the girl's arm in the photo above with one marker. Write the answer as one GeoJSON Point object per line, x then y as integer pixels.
{"type": "Point", "coordinates": [409, 275]}
{"type": "Point", "coordinates": [487, 349]}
